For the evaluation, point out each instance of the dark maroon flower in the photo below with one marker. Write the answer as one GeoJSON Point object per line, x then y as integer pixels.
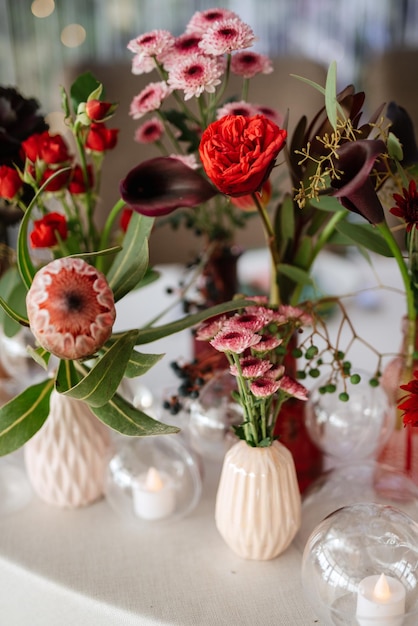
{"type": "Point", "coordinates": [403, 128]}
{"type": "Point", "coordinates": [161, 185]}
{"type": "Point", "coordinates": [354, 187]}
{"type": "Point", "coordinates": [407, 205]}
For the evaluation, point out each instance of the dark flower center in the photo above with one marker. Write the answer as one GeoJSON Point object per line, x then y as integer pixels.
{"type": "Point", "coordinates": [74, 301]}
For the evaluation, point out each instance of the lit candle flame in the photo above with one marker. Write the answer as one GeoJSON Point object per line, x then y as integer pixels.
{"type": "Point", "coordinates": [381, 590]}
{"type": "Point", "coordinates": [153, 480]}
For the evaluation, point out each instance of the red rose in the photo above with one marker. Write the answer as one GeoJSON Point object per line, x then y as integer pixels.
{"type": "Point", "coordinates": [49, 148]}
{"type": "Point", "coordinates": [56, 184]}
{"type": "Point", "coordinates": [239, 152]}
{"type": "Point", "coordinates": [77, 183]}
{"type": "Point", "coordinates": [125, 218]}
{"type": "Point", "coordinates": [97, 110]}
{"type": "Point", "coordinates": [45, 229]}
{"type": "Point", "coordinates": [101, 138]}
{"type": "Point", "coordinates": [246, 203]}
{"type": "Point", "coordinates": [10, 182]}
{"type": "Point", "coordinates": [32, 146]}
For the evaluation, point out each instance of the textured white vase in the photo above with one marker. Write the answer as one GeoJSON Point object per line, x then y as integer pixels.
{"type": "Point", "coordinates": [67, 458]}
{"type": "Point", "coordinates": [258, 504]}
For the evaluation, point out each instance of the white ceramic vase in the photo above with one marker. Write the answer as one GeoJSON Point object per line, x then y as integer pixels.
{"type": "Point", "coordinates": [258, 504]}
{"type": "Point", "coordinates": [66, 460]}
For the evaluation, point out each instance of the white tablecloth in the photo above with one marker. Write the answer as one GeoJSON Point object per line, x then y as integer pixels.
{"type": "Point", "coordinates": [88, 567]}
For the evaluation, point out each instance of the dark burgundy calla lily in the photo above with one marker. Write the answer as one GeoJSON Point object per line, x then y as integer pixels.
{"type": "Point", "coordinates": [161, 185]}
{"type": "Point", "coordinates": [402, 127]}
{"type": "Point", "coordinates": [355, 189]}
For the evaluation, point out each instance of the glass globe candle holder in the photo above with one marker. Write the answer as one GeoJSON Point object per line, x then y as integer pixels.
{"type": "Point", "coordinates": [352, 430]}
{"type": "Point", "coordinates": [153, 479]}
{"type": "Point", "coordinates": [343, 562]}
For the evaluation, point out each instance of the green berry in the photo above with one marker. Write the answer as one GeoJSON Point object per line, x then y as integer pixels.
{"type": "Point", "coordinates": [344, 397]}
{"type": "Point", "coordinates": [355, 379]}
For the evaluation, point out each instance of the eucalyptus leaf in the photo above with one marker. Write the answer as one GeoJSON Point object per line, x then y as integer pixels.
{"type": "Point", "coordinates": [365, 235]}
{"type": "Point", "coordinates": [131, 263]}
{"type": "Point", "coordinates": [102, 381]}
{"type": "Point", "coordinates": [23, 416]}
{"type": "Point", "coordinates": [121, 416]}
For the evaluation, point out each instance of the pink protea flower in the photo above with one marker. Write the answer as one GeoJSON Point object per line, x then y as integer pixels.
{"type": "Point", "coordinates": [236, 108]}
{"type": "Point", "coordinates": [293, 388]}
{"type": "Point", "coordinates": [70, 308]}
{"type": "Point", "coordinates": [152, 43]}
{"type": "Point", "coordinates": [249, 64]}
{"type": "Point", "coordinates": [226, 36]}
{"type": "Point", "coordinates": [194, 75]}
{"type": "Point", "coordinates": [264, 387]}
{"type": "Point", "coordinates": [209, 329]}
{"type": "Point", "coordinates": [251, 367]}
{"type": "Point", "coordinates": [150, 131]}
{"type": "Point", "coordinates": [149, 99]}
{"type": "Point", "coordinates": [236, 341]}
{"type": "Point", "coordinates": [253, 321]}
{"type": "Point", "coordinates": [267, 342]}
{"type": "Point", "coordinates": [200, 21]}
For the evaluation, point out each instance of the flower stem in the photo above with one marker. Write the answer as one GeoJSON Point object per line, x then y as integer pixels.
{"type": "Point", "coordinates": [107, 228]}
{"type": "Point", "coordinates": [274, 257]}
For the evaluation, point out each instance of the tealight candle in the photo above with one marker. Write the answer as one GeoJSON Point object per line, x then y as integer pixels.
{"type": "Point", "coordinates": [153, 495]}
{"type": "Point", "coordinates": [380, 601]}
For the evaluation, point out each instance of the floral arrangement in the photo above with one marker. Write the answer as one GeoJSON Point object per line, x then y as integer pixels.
{"type": "Point", "coordinates": [67, 294]}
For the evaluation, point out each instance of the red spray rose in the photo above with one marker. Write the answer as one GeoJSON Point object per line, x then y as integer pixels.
{"type": "Point", "coordinates": [46, 147]}
{"type": "Point", "coordinates": [239, 152]}
{"type": "Point", "coordinates": [97, 110]}
{"type": "Point", "coordinates": [44, 234]}
{"type": "Point", "coordinates": [77, 183]}
{"type": "Point", "coordinates": [409, 403]}
{"type": "Point", "coordinates": [10, 182]}
{"type": "Point", "coordinates": [101, 138]}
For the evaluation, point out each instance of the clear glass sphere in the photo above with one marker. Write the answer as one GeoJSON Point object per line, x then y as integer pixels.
{"type": "Point", "coordinates": [349, 547]}
{"type": "Point", "coordinates": [352, 430]}
{"type": "Point", "coordinates": [153, 479]}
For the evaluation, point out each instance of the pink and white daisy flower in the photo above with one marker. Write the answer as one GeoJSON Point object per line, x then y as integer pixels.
{"type": "Point", "coordinates": [236, 108]}
{"type": "Point", "coordinates": [151, 44]}
{"type": "Point", "coordinates": [150, 131]}
{"type": "Point", "coordinates": [200, 21]}
{"type": "Point", "coordinates": [264, 387]}
{"type": "Point", "coordinates": [209, 329]}
{"type": "Point", "coordinates": [267, 342]}
{"type": "Point", "coordinates": [149, 99]}
{"type": "Point", "coordinates": [249, 64]}
{"type": "Point", "coordinates": [251, 367]}
{"type": "Point", "coordinates": [271, 114]}
{"type": "Point", "coordinates": [183, 46]}
{"type": "Point", "coordinates": [226, 36]}
{"type": "Point", "coordinates": [194, 75]}
{"type": "Point", "coordinates": [142, 64]}
{"type": "Point", "coordinates": [236, 341]}
{"type": "Point", "coordinates": [188, 159]}
{"type": "Point", "coordinates": [253, 321]}
{"type": "Point", "coordinates": [70, 308]}
{"type": "Point", "coordinates": [293, 388]}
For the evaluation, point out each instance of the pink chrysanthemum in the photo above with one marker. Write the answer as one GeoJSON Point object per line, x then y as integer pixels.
{"type": "Point", "coordinates": [150, 131]}
{"type": "Point", "coordinates": [276, 372]}
{"type": "Point", "coordinates": [236, 341]}
{"type": "Point", "coordinates": [194, 75]}
{"type": "Point", "coordinates": [142, 64]}
{"type": "Point", "coordinates": [264, 387]}
{"type": "Point", "coordinates": [267, 342]}
{"type": "Point", "coordinates": [293, 388]}
{"type": "Point", "coordinates": [253, 321]}
{"type": "Point", "coordinates": [70, 308]}
{"type": "Point", "coordinates": [286, 313]}
{"type": "Point", "coordinates": [251, 367]}
{"type": "Point", "coordinates": [152, 43]}
{"type": "Point", "coordinates": [236, 108]}
{"type": "Point", "coordinates": [208, 330]}
{"type": "Point", "coordinates": [149, 99]}
{"type": "Point", "coordinates": [183, 46]}
{"type": "Point", "coordinates": [249, 64]}
{"type": "Point", "coordinates": [226, 36]}
{"type": "Point", "coordinates": [200, 21]}
{"type": "Point", "coordinates": [272, 114]}
{"type": "Point", "coordinates": [187, 159]}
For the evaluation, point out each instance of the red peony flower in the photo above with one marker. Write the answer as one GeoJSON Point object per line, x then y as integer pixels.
{"type": "Point", "coordinates": [409, 403]}
{"type": "Point", "coordinates": [407, 205]}
{"type": "Point", "coordinates": [246, 203]}
{"type": "Point", "coordinates": [100, 138]}
{"type": "Point", "coordinates": [44, 234]}
{"type": "Point", "coordinates": [70, 308]}
{"type": "Point", "coordinates": [238, 153]}
{"type": "Point", "coordinates": [10, 182]}
{"type": "Point", "coordinates": [77, 183]}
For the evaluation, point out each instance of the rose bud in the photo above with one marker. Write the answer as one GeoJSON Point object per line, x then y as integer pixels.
{"type": "Point", "coordinates": [70, 308]}
{"type": "Point", "coordinates": [98, 111]}
{"type": "Point", "coordinates": [10, 182]}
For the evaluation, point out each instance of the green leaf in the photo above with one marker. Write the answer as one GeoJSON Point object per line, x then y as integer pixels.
{"type": "Point", "coordinates": [303, 256]}
{"type": "Point", "coordinates": [394, 147]}
{"type": "Point", "coordinates": [121, 416]}
{"type": "Point", "coordinates": [67, 376]}
{"type": "Point", "coordinates": [13, 315]}
{"type": "Point", "coordinates": [82, 88]}
{"type": "Point", "coordinates": [146, 335]}
{"type": "Point", "coordinates": [326, 203]}
{"type": "Point", "coordinates": [140, 363]}
{"type": "Point", "coordinates": [22, 417]}
{"type": "Point", "coordinates": [365, 235]}
{"type": "Point", "coordinates": [102, 381]}
{"type": "Point", "coordinates": [296, 274]}
{"type": "Point", "coordinates": [331, 94]}
{"type": "Point", "coordinates": [285, 223]}
{"type": "Point", "coordinates": [131, 263]}
{"type": "Point", "coordinates": [40, 356]}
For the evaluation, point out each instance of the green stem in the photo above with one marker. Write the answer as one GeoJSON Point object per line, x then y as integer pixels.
{"type": "Point", "coordinates": [274, 256]}
{"type": "Point", "coordinates": [107, 229]}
